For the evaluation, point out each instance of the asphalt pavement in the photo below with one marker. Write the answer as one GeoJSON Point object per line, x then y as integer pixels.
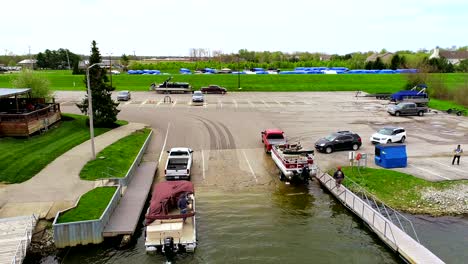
{"type": "Point", "coordinates": [225, 130]}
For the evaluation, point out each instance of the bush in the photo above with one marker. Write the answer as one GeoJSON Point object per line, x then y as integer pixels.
{"type": "Point", "coordinates": [40, 86]}
{"type": "Point", "coordinates": [460, 96]}
{"type": "Point", "coordinates": [438, 89]}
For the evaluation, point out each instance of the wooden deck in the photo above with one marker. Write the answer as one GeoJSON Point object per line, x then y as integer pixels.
{"type": "Point", "coordinates": [393, 236]}
{"type": "Point", "coordinates": [25, 124]}
{"type": "Point", "coordinates": [124, 219]}
{"type": "Point", "coordinates": [15, 236]}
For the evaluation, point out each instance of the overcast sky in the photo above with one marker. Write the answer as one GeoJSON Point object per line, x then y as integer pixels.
{"type": "Point", "coordinates": [173, 27]}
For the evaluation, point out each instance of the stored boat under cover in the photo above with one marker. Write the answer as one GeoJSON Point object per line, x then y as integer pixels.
{"type": "Point", "coordinates": [164, 198]}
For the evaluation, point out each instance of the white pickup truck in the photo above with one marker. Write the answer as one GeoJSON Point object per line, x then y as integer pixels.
{"type": "Point", "coordinates": [179, 163]}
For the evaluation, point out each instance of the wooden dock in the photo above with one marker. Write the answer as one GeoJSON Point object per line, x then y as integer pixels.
{"type": "Point", "coordinates": [15, 237]}
{"type": "Point", "coordinates": [390, 234]}
{"type": "Point", "coordinates": [124, 219]}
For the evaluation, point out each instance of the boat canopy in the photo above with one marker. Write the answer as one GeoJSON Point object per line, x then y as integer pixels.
{"type": "Point", "coordinates": [165, 197]}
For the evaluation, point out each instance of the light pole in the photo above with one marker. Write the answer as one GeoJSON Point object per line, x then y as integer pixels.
{"type": "Point", "coordinates": [110, 67]}
{"type": "Point", "coordinates": [90, 111]}
{"type": "Point", "coordinates": [238, 72]}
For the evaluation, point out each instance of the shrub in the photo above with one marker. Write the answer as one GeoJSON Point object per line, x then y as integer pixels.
{"type": "Point", "coordinates": [40, 86]}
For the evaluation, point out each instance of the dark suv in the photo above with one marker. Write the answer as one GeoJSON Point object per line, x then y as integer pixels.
{"type": "Point", "coordinates": [341, 140]}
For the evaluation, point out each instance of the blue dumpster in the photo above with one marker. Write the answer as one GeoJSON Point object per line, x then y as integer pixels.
{"type": "Point", "coordinates": [391, 156]}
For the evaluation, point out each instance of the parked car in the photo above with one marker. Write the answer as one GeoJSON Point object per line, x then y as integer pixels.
{"type": "Point", "coordinates": [198, 97]}
{"type": "Point", "coordinates": [341, 140]}
{"type": "Point", "coordinates": [115, 72]}
{"type": "Point", "coordinates": [214, 89]}
{"type": "Point", "coordinates": [124, 96]}
{"type": "Point", "coordinates": [407, 109]}
{"type": "Point", "coordinates": [389, 135]}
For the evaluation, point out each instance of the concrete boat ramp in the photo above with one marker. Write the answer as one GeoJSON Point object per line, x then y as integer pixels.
{"type": "Point", "coordinates": [397, 239]}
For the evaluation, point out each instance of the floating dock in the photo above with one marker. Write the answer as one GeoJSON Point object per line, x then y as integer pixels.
{"type": "Point", "coordinates": [124, 219]}
{"type": "Point", "coordinates": [15, 237]}
{"type": "Point", "coordinates": [402, 243]}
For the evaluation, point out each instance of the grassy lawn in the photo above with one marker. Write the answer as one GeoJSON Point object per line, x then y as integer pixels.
{"type": "Point", "coordinates": [119, 157]}
{"type": "Point", "coordinates": [444, 105]}
{"type": "Point", "coordinates": [372, 83]}
{"type": "Point", "coordinates": [25, 157]}
{"type": "Point", "coordinates": [91, 205]}
{"type": "Point", "coordinates": [398, 190]}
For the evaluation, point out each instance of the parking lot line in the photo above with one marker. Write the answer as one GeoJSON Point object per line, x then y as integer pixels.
{"type": "Point", "coordinates": [263, 101]}
{"type": "Point", "coordinates": [428, 171]}
{"type": "Point", "coordinates": [448, 166]}
{"type": "Point", "coordinates": [143, 103]}
{"type": "Point", "coordinates": [203, 163]}
{"type": "Point", "coordinates": [165, 141]}
{"type": "Point", "coordinates": [276, 101]}
{"type": "Point", "coordinates": [126, 103]}
{"type": "Point", "coordinates": [175, 102]}
{"type": "Point", "coordinates": [235, 102]}
{"type": "Point", "coordinates": [220, 103]}
{"type": "Point", "coordinates": [160, 102]}
{"type": "Point", "coordinates": [250, 167]}
{"type": "Point", "coordinates": [251, 104]}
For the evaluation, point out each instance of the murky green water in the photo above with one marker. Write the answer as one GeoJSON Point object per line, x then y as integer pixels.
{"type": "Point", "coordinates": [281, 224]}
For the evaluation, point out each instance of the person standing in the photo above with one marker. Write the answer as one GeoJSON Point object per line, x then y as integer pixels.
{"type": "Point", "coordinates": [182, 204]}
{"type": "Point", "coordinates": [338, 176]}
{"type": "Point", "coordinates": [456, 155]}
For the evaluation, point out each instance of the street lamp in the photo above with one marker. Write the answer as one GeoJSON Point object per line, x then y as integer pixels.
{"type": "Point", "coordinates": [90, 111]}
{"type": "Point", "coordinates": [110, 67]}
{"type": "Point", "coordinates": [238, 72]}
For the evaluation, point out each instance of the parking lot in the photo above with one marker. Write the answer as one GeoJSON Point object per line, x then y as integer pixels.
{"type": "Point", "coordinates": [224, 131]}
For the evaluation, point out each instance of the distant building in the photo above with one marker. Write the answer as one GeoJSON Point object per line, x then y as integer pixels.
{"type": "Point", "coordinates": [325, 57]}
{"type": "Point", "coordinates": [28, 63]}
{"type": "Point", "coordinates": [384, 57]}
{"type": "Point", "coordinates": [453, 57]}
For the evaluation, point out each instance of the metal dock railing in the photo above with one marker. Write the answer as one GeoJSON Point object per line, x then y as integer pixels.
{"type": "Point", "coordinates": [395, 237]}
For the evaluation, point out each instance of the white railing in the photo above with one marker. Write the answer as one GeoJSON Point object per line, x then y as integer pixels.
{"type": "Point", "coordinates": [24, 243]}
{"type": "Point", "coordinates": [361, 208]}
{"type": "Point", "coordinates": [382, 208]}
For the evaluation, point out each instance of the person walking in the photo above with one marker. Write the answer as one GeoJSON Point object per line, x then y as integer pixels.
{"type": "Point", "coordinates": [338, 176]}
{"type": "Point", "coordinates": [456, 155]}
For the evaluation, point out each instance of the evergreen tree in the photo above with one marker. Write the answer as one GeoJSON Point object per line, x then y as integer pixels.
{"type": "Point", "coordinates": [378, 64]}
{"type": "Point", "coordinates": [104, 108]}
{"type": "Point", "coordinates": [395, 63]}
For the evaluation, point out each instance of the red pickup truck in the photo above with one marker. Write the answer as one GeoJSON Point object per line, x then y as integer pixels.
{"type": "Point", "coordinates": [272, 137]}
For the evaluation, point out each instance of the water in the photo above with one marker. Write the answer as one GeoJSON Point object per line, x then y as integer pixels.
{"type": "Point", "coordinates": [274, 224]}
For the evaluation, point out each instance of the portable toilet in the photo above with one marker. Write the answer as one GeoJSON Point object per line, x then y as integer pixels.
{"type": "Point", "coordinates": [391, 156]}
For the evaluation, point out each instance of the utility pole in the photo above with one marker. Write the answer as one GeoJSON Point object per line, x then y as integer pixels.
{"type": "Point", "coordinates": [110, 67]}
{"type": "Point", "coordinates": [30, 58]}
{"type": "Point", "coordinates": [68, 59]}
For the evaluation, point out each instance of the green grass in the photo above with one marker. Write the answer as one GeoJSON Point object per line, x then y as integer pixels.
{"type": "Point", "coordinates": [91, 205]}
{"type": "Point", "coordinates": [372, 83]}
{"type": "Point", "coordinates": [22, 158]}
{"type": "Point", "coordinates": [119, 157]}
{"type": "Point", "coordinates": [444, 105]}
{"type": "Point", "coordinates": [398, 190]}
